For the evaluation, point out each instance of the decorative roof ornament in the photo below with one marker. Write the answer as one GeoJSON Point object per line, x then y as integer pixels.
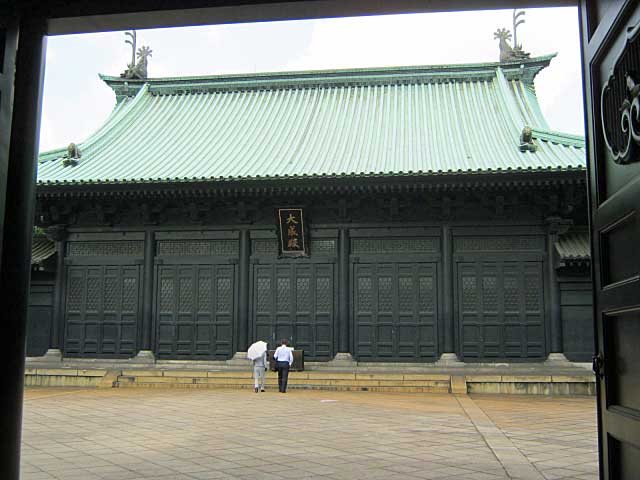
{"type": "Point", "coordinates": [526, 140]}
{"type": "Point", "coordinates": [507, 52]}
{"type": "Point", "coordinates": [136, 70]}
{"type": "Point", "coordinates": [72, 156]}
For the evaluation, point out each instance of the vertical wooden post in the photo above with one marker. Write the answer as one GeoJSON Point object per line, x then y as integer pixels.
{"type": "Point", "coordinates": [145, 354]}
{"type": "Point", "coordinates": [242, 342]}
{"type": "Point", "coordinates": [343, 294]}
{"type": "Point", "coordinates": [58, 234]}
{"type": "Point", "coordinates": [554, 295]}
{"type": "Point", "coordinates": [18, 225]}
{"type": "Point", "coordinates": [448, 356]}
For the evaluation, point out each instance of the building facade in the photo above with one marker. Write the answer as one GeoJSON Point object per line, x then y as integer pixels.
{"type": "Point", "coordinates": [443, 219]}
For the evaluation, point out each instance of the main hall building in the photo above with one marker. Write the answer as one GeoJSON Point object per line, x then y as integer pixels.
{"type": "Point", "coordinates": [414, 214]}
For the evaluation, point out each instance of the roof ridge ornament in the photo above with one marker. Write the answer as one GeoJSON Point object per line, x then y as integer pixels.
{"type": "Point", "coordinates": [507, 52]}
{"type": "Point", "coordinates": [136, 70]}
{"type": "Point", "coordinates": [526, 140]}
{"type": "Point", "coordinates": [72, 156]}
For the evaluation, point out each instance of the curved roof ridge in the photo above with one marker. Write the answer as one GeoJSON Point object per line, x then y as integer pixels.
{"type": "Point", "coordinates": [524, 70]}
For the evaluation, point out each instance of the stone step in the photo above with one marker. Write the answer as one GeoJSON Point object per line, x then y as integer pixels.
{"type": "Point", "coordinates": [575, 384]}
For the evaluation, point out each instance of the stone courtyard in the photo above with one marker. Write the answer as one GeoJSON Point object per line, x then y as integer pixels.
{"type": "Point", "coordinates": [176, 434]}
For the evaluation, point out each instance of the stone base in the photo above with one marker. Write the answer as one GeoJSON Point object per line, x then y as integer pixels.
{"type": "Point", "coordinates": [557, 359]}
{"type": "Point", "coordinates": [449, 360]}
{"type": "Point", "coordinates": [344, 359]}
{"type": "Point", "coordinates": [239, 360]}
{"type": "Point", "coordinates": [52, 355]}
{"type": "Point", "coordinates": [144, 357]}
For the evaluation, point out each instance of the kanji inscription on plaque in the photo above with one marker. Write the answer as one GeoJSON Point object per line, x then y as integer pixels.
{"type": "Point", "coordinates": [292, 232]}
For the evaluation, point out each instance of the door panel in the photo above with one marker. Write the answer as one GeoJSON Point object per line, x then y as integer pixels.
{"type": "Point", "coordinates": [611, 48]}
{"type": "Point", "coordinates": [501, 310]}
{"type": "Point", "coordinates": [39, 319]}
{"type": "Point", "coordinates": [102, 310]}
{"type": "Point", "coordinates": [195, 311]}
{"type": "Point", "coordinates": [297, 302]}
{"type": "Point", "coordinates": [395, 311]}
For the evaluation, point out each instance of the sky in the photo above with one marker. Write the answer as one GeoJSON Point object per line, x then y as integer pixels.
{"type": "Point", "coordinates": [76, 102]}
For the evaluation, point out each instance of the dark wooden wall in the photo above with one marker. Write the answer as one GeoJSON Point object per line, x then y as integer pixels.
{"type": "Point", "coordinates": [390, 277]}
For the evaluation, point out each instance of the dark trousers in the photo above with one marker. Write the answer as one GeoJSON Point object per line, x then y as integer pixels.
{"type": "Point", "coordinates": [283, 375]}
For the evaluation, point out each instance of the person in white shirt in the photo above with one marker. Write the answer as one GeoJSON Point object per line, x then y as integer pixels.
{"type": "Point", "coordinates": [260, 371]}
{"type": "Point", "coordinates": [283, 358]}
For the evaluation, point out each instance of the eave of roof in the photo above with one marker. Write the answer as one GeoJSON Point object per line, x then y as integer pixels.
{"type": "Point", "coordinates": [574, 246]}
{"type": "Point", "coordinates": [41, 250]}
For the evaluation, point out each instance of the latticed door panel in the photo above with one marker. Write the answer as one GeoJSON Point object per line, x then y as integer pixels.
{"type": "Point", "coordinates": [295, 301]}
{"type": "Point", "coordinates": [395, 311]}
{"type": "Point", "coordinates": [501, 310]}
{"type": "Point", "coordinates": [195, 311]}
{"type": "Point", "coordinates": [101, 310]}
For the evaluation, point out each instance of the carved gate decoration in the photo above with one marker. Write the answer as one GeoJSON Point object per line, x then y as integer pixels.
{"type": "Point", "coordinates": [395, 311]}
{"type": "Point", "coordinates": [501, 310]}
{"type": "Point", "coordinates": [102, 308]}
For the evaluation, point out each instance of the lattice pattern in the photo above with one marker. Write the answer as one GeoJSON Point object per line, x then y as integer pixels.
{"type": "Point", "coordinates": [224, 295]}
{"type": "Point", "coordinates": [129, 294]}
{"type": "Point", "coordinates": [110, 294]}
{"type": "Point", "coordinates": [326, 247]}
{"type": "Point", "coordinates": [264, 294]}
{"type": "Point", "coordinates": [532, 293]}
{"type": "Point", "coordinates": [497, 244]}
{"type": "Point", "coordinates": [180, 248]}
{"type": "Point", "coordinates": [303, 294]}
{"type": "Point", "coordinates": [490, 293]}
{"type": "Point", "coordinates": [323, 294]}
{"type": "Point", "coordinates": [93, 294]}
{"type": "Point", "coordinates": [365, 295]}
{"type": "Point", "coordinates": [265, 247]}
{"type": "Point", "coordinates": [204, 294]}
{"type": "Point", "coordinates": [123, 248]}
{"type": "Point", "coordinates": [511, 294]}
{"type": "Point", "coordinates": [283, 294]}
{"type": "Point", "coordinates": [74, 294]}
{"type": "Point", "coordinates": [166, 294]}
{"type": "Point", "coordinates": [405, 294]}
{"type": "Point", "coordinates": [425, 286]}
{"type": "Point", "coordinates": [394, 245]}
{"type": "Point", "coordinates": [469, 294]}
{"type": "Point", "coordinates": [385, 294]}
{"type": "Point", "coordinates": [185, 299]}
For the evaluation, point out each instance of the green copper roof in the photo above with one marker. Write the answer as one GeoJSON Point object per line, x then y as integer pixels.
{"type": "Point", "coordinates": [574, 246]}
{"type": "Point", "coordinates": [41, 250]}
{"type": "Point", "coordinates": [365, 122]}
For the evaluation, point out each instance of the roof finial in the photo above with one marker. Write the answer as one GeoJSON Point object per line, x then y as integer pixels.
{"type": "Point", "coordinates": [517, 22]}
{"type": "Point", "coordinates": [136, 70]}
{"type": "Point", "coordinates": [508, 54]}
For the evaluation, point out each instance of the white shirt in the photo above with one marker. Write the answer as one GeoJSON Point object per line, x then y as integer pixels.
{"type": "Point", "coordinates": [283, 354]}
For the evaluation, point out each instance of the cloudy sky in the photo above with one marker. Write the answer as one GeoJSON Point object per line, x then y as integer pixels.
{"type": "Point", "coordinates": [76, 101]}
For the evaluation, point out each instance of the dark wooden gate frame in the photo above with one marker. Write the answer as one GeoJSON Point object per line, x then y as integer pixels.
{"type": "Point", "coordinates": [24, 25]}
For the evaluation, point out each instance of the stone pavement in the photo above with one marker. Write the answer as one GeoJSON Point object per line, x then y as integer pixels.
{"type": "Point", "coordinates": [135, 434]}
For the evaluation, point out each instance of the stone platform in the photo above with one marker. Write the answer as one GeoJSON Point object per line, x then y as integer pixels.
{"type": "Point", "coordinates": [503, 378]}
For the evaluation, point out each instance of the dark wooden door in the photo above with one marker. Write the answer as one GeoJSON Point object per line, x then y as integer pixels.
{"type": "Point", "coordinates": [102, 310]}
{"type": "Point", "coordinates": [611, 48]}
{"type": "Point", "coordinates": [195, 311]}
{"type": "Point", "coordinates": [295, 301]}
{"type": "Point", "coordinates": [395, 311]}
{"type": "Point", "coordinates": [39, 319]}
{"type": "Point", "coordinates": [501, 310]}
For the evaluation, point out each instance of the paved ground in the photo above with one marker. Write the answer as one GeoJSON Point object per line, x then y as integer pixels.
{"type": "Point", "coordinates": [127, 434]}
